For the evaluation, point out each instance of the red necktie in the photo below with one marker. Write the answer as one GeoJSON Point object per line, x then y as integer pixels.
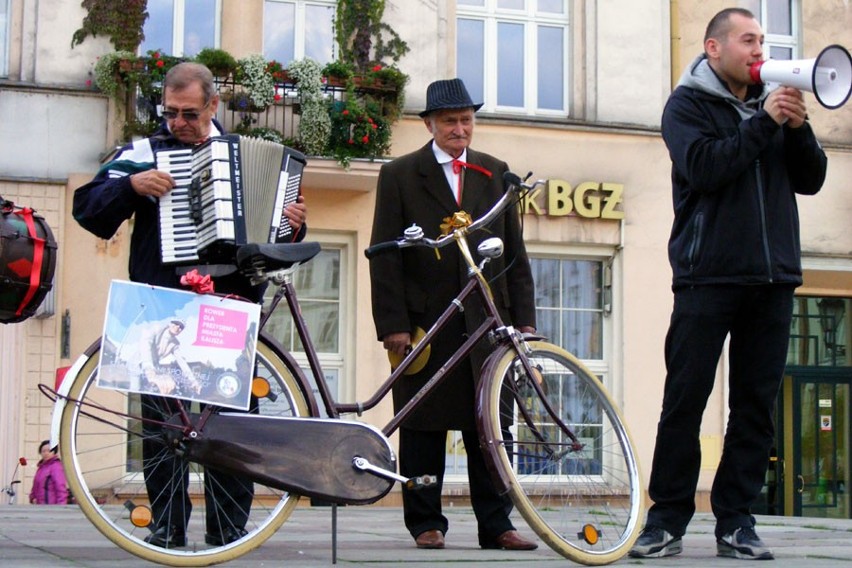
{"type": "Point", "coordinates": [457, 169]}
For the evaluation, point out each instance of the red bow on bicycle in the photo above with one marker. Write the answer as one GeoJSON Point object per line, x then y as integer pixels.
{"type": "Point", "coordinates": [200, 284]}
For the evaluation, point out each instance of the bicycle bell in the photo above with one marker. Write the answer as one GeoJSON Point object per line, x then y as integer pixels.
{"type": "Point", "coordinates": [490, 248]}
{"type": "Point", "coordinates": [413, 233]}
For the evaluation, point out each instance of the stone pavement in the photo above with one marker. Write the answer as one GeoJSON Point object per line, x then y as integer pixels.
{"type": "Point", "coordinates": [60, 536]}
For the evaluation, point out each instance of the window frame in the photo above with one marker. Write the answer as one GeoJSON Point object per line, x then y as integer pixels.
{"type": "Point", "coordinates": [604, 368]}
{"type": "Point", "coordinates": [5, 30]}
{"type": "Point", "coordinates": [532, 21]}
{"type": "Point", "coordinates": [179, 23]}
{"type": "Point", "coordinates": [792, 41]}
{"type": "Point", "coordinates": [299, 28]}
{"type": "Point", "coordinates": [343, 361]}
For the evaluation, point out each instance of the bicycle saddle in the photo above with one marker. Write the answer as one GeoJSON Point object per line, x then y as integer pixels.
{"type": "Point", "coordinates": [273, 256]}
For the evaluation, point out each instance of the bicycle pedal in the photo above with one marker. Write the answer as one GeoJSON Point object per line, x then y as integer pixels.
{"type": "Point", "coordinates": [421, 482]}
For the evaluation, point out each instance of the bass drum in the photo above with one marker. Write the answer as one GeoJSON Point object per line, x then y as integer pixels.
{"type": "Point", "coordinates": [27, 261]}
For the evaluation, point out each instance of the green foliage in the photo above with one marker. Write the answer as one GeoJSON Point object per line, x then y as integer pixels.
{"type": "Point", "coordinates": [358, 129]}
{"type": "Point", "coordinates": [339, 69]}
{"type": "Point", "coordinates": [220, 62]}
{"type": "Point", "coordinates": [315, 123]}
{"type": "Point", "coordinates": [120, 21]}
{"type": "Point", "coordinates": [362, 37]}
{"type": "Point", "coordinates": [114, 71]}
{"type": "Point", "coordinates": [254, 76]}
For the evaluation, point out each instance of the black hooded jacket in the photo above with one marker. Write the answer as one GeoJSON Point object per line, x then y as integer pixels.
{"type": "Point", "coordinates": [735, 174]}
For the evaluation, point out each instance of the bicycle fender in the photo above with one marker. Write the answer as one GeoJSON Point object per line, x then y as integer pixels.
{"type": "Point", "coordinates": [65, 388]}
{"type": "Point", "coordinates": [501, 483]}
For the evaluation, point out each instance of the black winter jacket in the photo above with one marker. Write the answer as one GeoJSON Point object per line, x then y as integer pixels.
{"type": "Point", "coordinates": [103, 204]}
{"type": "Point", "coordinates": [734, 183]}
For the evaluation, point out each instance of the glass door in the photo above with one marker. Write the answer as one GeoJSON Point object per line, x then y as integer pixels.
{"type": "Point", "coordinates": [821, 443]}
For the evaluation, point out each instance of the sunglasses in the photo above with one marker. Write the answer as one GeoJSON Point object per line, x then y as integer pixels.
{"type": "Point", "coordinates": [188, 115]}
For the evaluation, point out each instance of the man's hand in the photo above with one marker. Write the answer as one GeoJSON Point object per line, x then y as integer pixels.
{"type": "Point", "coordinates": [296, 213]}
{"type": "Point", "coordinates": [397, 342]}
{"type": "Point", "coordinates": [164, 383]}
{"type": "Point", "coordinates": [786, 105]}
{"type": "Point", "coordinates": [152, 182]}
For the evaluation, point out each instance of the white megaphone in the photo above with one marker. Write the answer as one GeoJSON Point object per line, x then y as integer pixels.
{"type": "Point", "coordinates": [828, 77]}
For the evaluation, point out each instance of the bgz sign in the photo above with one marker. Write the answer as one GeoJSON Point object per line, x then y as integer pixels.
{"type": "Point", "coordinates": [590, 199]}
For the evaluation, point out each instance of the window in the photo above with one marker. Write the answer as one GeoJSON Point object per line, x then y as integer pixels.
{"type": "Point", "coordinates": [322, 286]}
{"type": "Point", "coordinates": [182, 27]}
{"type": "Point", "coordinates": [818, 336]}
{"type": "Point", "coordinates": [527, 42]}
{"type": "Point", "coordinates": [780, 22]}
{"type": "Point", "coordinates": [4, 38]}
{"type": "Point", "coordinates": [293, 29]}
{"type": "Point", "coordinates": [570, 306]}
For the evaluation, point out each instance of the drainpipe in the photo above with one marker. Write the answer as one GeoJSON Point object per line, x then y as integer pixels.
{"type": "Point", "coordinates": [674, 32]}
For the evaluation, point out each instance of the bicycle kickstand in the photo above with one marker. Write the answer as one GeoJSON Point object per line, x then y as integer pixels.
{"type": "Point", "coordinates": [411, 483]}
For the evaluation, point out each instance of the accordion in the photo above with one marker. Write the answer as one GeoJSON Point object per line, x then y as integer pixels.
{"type": "Point", "coordinates": [229, 191]}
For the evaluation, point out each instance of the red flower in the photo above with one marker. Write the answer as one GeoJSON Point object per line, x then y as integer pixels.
{"type": "Point", "coordinates": [160, 63]}
{"type": "Point", "coordinates": [365, 139]}
{"type": "Point", "coordinates": [277, 97]}
{"type": "Point", "coordinates": [377, 68]}
{"type": "Point", "coordinates": [22, 461]}
{"type": "Point", "coordinates": [345, 113]}
{"type": "Point", "coordinates": [156, 55]}
{"type": "Point", "coordinates": [88, 82]}
{"type": "Point", "coordinates": [374, 125]}
{"type": "Point", "coordinates": [351, 141]}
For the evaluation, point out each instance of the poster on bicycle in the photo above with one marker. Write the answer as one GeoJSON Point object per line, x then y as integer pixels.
{"type": "Point", "coordinates": [178, 344]}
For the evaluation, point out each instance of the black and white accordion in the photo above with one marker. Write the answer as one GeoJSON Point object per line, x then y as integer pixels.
{"type": "Point", "coordinates": [229, 191]}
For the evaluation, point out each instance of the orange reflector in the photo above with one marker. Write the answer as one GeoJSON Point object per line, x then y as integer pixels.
{"type": "Point", "coordinates": [141, 516]}
{"type": "Point", "coordinates": [590, 534]}
{"type": "Point", "coordinates": [260, 387]}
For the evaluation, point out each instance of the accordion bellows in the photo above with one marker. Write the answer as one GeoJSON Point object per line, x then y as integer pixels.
{"type": "Point", "coordinates": [230, 191]}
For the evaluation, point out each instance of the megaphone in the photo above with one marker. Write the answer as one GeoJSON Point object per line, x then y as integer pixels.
{"type": "Point", "coordinates": [828, 77]}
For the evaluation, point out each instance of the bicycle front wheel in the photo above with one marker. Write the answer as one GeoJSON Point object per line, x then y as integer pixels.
{"type": "Point", "coordinates": [101, 439]}
{"type": "Point", "coordinates": [560, 445]}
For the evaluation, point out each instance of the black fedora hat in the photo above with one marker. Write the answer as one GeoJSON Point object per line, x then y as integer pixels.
{"type": "Point", "coordinates": [448, 94]}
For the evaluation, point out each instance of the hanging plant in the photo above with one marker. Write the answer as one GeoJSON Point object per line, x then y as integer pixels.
{"type": "Point", "coordinates": [116, 71]}
{"type": "Point", "coordinates": [363, 38]}
{"type": "Point", "coordinates": [314, 123]}
{"type": "Point", "coordinates": [120, 21]}
{"type": "Point", "coordinates": [253, 75]}
{"type": "Point", "coordinates": [220, 62]}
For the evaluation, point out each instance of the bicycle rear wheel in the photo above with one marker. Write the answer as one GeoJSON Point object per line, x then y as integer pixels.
{"type": "Point", "coordinates": [100, 445]}
{"type": "Point", "coordinates": [582, 498]}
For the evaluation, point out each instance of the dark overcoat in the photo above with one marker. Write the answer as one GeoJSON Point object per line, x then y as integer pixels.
{"type": "Point", "coordinates": [413, 287]}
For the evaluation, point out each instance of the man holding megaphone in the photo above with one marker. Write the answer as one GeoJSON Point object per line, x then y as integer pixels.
{"type": "Point", "coordinates": [739, 155]}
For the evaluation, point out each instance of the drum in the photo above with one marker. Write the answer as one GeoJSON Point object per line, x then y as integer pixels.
{"type": "Point", "coordinates": [27, 261]}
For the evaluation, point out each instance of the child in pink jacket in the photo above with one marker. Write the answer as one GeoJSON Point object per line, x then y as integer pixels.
{"type": "Point", "coordinates": [49, 487]}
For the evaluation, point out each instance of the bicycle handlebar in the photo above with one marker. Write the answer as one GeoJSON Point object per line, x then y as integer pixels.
{"type": "Point", "coordinates": [414, 235]}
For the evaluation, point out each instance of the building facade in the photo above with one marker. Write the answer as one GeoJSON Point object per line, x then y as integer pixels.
{"type": "Point", "coordinates": [573, 91]}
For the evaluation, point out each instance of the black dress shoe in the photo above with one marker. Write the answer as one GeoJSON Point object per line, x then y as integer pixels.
{"type": "Point", "coordinates": [225, 536]}
{"type": "Point", "coordinates": [167, 536]}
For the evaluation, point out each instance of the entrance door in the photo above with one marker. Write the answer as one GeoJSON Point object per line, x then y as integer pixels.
{"type": "Point", "coordinates": [817, 442]}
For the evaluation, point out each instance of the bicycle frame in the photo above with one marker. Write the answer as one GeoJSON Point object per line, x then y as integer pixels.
{"type": "Point", "coordinates": [492, 328]}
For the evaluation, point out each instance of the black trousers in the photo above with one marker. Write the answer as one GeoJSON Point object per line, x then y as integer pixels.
{"type": "Point", "coordinates": [227, 498]}
{"type": "Point", "coordinates": [424, 452]}
{"type": "Point", "coordinates": [758, 321]}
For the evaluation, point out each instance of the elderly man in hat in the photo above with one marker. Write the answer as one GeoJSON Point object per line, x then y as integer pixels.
{"type": "Point", "coordinates": [411, 288]}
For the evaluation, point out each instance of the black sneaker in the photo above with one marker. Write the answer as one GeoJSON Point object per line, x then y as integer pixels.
{"type": "Point", "coordinates": [743, 543]}
{"type": "Point", "coordinates": [655, 542]}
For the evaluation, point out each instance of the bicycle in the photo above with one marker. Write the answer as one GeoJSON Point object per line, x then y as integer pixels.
{"type": "Point", "coordinates": [554, 439]}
